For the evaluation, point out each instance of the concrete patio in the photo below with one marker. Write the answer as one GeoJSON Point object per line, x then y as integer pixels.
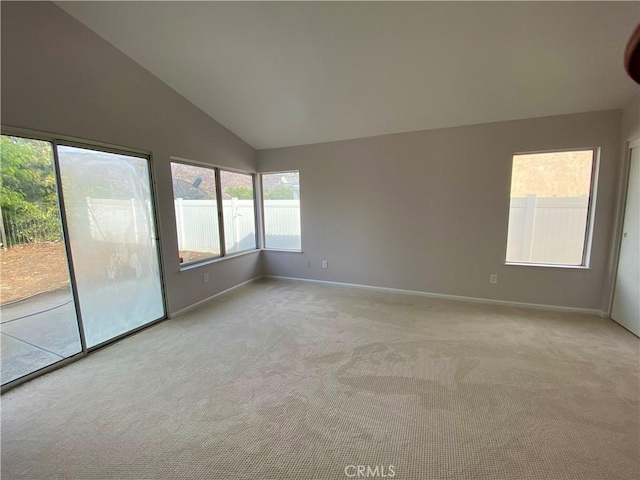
{"type": "Point", "coordinates": [37, 332]}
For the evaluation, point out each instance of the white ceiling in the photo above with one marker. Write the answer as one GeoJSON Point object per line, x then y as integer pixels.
{"type": "Point", "coordinates": [280, 74]}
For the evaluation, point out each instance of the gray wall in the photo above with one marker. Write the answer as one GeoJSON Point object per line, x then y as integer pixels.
{"type": "Point", "coordinates": [60, 77]}
{"type": "Point", "coordinates": [357, 194]}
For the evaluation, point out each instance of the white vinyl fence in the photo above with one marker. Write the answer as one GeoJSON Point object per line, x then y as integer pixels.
{"type": "Point", "coordinates": [115, 220]}
{"type": "Point", "coordinates": [547, 229]}
{"type": "Point", "coordinates": [541, 229]}
{"type": "Point", "coordinates": [197, 222]}
{"type": "Point", "coordinates": [282, 224]}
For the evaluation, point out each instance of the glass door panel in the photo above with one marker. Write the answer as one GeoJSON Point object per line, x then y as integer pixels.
{"type": "Point", "coordinates": [38, 326]}
{"type": "Point", "coordinates": [112, 236]}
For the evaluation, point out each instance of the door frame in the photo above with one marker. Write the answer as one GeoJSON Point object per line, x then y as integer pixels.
{"type": "Point", "coordinates": [616, 241]}
{"type": "Point", "coordinates": [55, 140]}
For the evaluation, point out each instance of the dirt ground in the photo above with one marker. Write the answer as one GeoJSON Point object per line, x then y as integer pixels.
{"type": "Point", "coordinates": [190, 257]}
{"type": "Point", "coordinates": [29, 269]}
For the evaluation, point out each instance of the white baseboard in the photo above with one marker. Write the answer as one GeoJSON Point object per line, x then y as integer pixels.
{"type": "Point", "coordinates": [458, 298]}
{"type": "Point", "coordinates": [208, 299]}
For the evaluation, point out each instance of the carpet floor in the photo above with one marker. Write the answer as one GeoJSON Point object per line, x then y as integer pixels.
{"type": "Point", "coordinates": [291, 380]}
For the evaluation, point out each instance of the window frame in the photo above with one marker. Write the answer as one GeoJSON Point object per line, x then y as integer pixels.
{"type": "Point", "coordinates": [255, 211]}
{"type": "Point", "coordinates": [590, 216]}
{"type": "Point", "coordinates": [263, 239]}
{"type": "Point", "coordinates": [219, 206]}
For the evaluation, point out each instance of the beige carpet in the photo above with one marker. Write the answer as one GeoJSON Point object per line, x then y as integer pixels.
{"type": "Point", "coordinates": [290, 380]}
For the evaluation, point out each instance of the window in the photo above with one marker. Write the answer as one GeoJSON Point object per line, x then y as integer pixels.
{"type": "Point", "coordinates": [203, 196]}
{"type": "Point", "coordinates": [196, 206]}
{"type": "Point", "coordinates": [238, 211]}
{"type": "Point", "coordinates": [550, 205]}
{"type": "Point", "coordinates": [281, 203]}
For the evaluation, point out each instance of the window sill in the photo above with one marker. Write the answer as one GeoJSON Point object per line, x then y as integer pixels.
{"type": "Point", "coordinates": [281, 250]}
{"type": "Point", "coordinates": [547, 265]}
{"type": "Point", "coordinates": [191, 266]}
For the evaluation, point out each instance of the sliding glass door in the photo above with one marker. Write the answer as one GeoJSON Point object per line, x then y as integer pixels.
{"type": "Point", "coordinates": [79, 251]}
{"type": "Point", "coordinates": [37, 310]}
{"type": "Point", "coordinates": [112, 236]}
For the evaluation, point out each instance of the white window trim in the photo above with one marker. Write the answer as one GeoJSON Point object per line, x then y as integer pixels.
{"type": "Point", "coordinates": [547, 265]}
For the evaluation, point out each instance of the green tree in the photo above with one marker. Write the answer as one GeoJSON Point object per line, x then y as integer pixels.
{"type": "Point", "coordinates": [279, 193]}
{"type": "Point", "coordinates": [240, 192]}
{"type": "Point", "coordinates": [27, 190]}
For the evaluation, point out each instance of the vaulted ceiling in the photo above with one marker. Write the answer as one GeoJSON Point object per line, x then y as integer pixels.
{"type": "Point", "coordinates": [291, 73]}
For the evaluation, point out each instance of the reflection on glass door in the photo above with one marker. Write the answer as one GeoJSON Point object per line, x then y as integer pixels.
{"type": "Point", "coordinates": [38, 317]}
{"type": "Point", "coordinates": [112, 237]}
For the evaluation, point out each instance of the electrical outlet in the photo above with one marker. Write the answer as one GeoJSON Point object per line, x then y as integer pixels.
{"type": "Point", "coordinates": [325, 264]}
{"type": "Point", "coordinates": [308, 263]}
{"type": "Point", "coordinates": [205, 278]}
{"type": "Point", "coordinates": [493, 278]}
